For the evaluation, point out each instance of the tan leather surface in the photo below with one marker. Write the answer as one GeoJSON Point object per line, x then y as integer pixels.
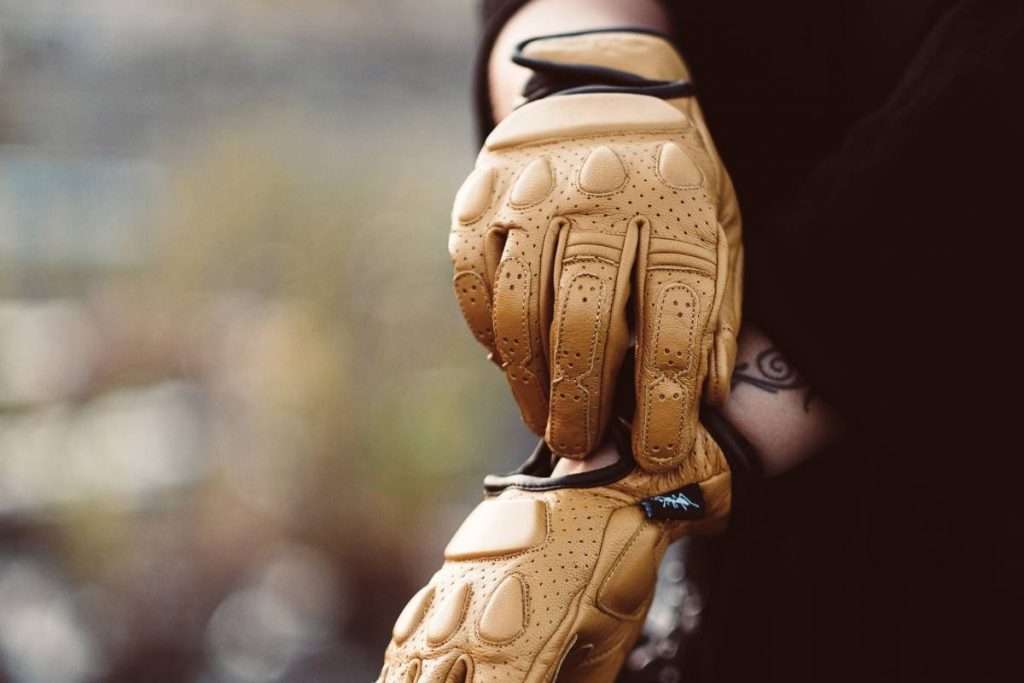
{"type": "Point", "coordinates": [514, 618]}
{"type": "Point", "coordinates": [504, 617]}
{"type": "Point", "coordinates": [586, 208]}
{"type": "Point", "coordinates": [498, 527]}
{"type": "Point", "coordinates": [585, 212]}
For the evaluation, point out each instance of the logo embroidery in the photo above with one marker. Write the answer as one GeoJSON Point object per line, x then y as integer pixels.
{"type": "Point", "coordinates": [684, 503]}
{"type": "Point", "coordinates": [679, 500]}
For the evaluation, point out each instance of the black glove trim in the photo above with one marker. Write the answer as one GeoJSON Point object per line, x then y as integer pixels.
{"type": "Point", "coordinates": [534, 474]}
{"type": "Point", "coordinates": [556, 78]}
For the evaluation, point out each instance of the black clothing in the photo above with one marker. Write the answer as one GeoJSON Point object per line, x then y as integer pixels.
{"type": "Point", "coordinates": [875, 148]}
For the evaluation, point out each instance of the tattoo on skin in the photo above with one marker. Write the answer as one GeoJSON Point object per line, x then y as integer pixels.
{"type": "Point", "coordinates": [771, 372]}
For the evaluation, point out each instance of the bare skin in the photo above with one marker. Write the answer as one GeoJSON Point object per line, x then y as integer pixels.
{"type": "Point", "coordinates": [770, 404]}
{"type": "Point", "coordinates": [774, 408]}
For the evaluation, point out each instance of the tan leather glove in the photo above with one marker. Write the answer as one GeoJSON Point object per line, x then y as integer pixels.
{"type": "Point", "coordinates": [591, 206]}
{"type": "Point", "coordinates": [553, 577]}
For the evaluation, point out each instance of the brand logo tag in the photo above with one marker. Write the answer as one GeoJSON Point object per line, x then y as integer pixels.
{"type": "Point", "coordinates": [684, 503]}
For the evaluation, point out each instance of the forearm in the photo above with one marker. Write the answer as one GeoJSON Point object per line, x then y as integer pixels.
{"type": "Point", "coordinates": [774, 408]}
{"type": "Point", "coordinates": [770, 405]}
{"type": "Point", "coordinates": [540, 17]}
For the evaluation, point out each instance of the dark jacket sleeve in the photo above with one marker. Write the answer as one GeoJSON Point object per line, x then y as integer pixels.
{"type": "Point", "coordinates": [494, 14]}
{"type": "Point", "coordinates": [889, 271]}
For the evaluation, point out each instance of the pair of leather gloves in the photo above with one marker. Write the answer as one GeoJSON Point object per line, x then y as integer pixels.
{"type": "Point", "coordinates": [599, 222]}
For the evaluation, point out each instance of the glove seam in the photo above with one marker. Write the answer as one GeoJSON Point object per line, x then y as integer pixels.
{"type": "Point", "coordinates": [617, 190]}
{"type": "Point", "coordinates": [462, 619]}
{"type": "Point", "coordinates": [537, 142]}
{"type": "Point", "coordinates": [552, 183]}
{"type": "Point", "coordinates": [481, 337]}
{"type": "Point", "coordinates": [611, 574]}
{"type": "Point", "coordinates": [595, 334]}
{"type": "Point", "coordinates": [664, 375]}
{"type": "Point", "coordinates": [656, 167]}
{"type": "Point", "coordinates": [526, 614]}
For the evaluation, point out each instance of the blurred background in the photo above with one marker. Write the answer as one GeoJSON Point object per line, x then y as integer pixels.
{"type": "Point", "coordinates": [239, 413]}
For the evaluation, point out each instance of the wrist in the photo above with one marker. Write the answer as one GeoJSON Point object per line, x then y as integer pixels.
{"type": "Point", "coordinates": [774, 408]}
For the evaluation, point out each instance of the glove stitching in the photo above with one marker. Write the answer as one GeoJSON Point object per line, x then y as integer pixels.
{"type": "Point", "coordinates": [606, 651]}
{"type": "Point", "coordinates": [539, 142]}
{"type": "Point", "coordinates": [578, 184]}
{"type": "Point", "coordinates": [496, 189]}
{"type": "Point", "coordinates": [552, 184]}
{"type": "Point", "coordinates": [526, 614]}
{"type": "Point", "coordinates": [656, 168]}
{"type": "Point", "coordinates": [462, 618]}
{"type": "Point", "coordinates": [615, 568]}
{"type": "Point", "coordinates": [521, 553]}
{"type": "Point", "coordinates": [663, 375]}
{"type": "Point", "coordinates": [532, 384]}
{"type": "Point", "coordinates": [595, 334]}
{"type": "Point", "coordinates": [485, 337]}
{"type": "Point", "coordinates": [412, 636]}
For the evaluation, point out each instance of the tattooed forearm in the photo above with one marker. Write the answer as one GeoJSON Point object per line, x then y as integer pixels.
{"type": "Point", "coordinates": [771, 372]}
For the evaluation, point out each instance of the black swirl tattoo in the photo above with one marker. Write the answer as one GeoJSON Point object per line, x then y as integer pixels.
{"type": "Point", "coordinates": [772, 373]}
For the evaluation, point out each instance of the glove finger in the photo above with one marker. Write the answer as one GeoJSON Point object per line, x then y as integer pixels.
{"type": "Point", "coordinates": [676, 295]}
{"type": "Point", "coordinates": [723, 352]}
{"type": "Point", "coordinates": [475, 247]}
{"type": "Point", "coordinates": [589, 330]}
{"type": "Point", "coordinates": [522, 317]}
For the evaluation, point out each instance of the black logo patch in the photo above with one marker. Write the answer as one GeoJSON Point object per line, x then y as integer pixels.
{"type": "Point", "coordinates": [684, 503]}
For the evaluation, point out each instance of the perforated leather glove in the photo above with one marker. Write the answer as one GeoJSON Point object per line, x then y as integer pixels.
{"type": "Point", "coordinates": [601, 200]}
{"type": "Point", "coordinates": [556, 575]}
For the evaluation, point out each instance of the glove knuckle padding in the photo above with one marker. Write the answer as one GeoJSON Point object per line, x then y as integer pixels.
{"type": "Point", "coordinates": [586, 185]}
{"type": "Point", "coordinates": [587, 182]}
{"type": "Point", "coordinates": [525, 575]}
{"type": "Point", "coordinates": [468, 244]}
{"type": "Point", "coordinates": [544, 581]}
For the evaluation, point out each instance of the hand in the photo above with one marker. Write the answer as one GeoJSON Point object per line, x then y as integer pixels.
{"type": "Point", "coordinates": [554, 575]}
{"type": "Point", "coordinates": [589, 208]}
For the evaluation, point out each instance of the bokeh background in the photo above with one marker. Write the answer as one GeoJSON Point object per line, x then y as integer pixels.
{"type": "Point", "coordinates": [239, 413]}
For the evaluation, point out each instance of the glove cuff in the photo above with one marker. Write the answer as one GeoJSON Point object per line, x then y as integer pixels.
{"type": "Point", "coordinates": [620, 60]}
{"type": "Point", "coordinates": [744, 464]}
{"type": "Point", "coordinates": [534, 474]}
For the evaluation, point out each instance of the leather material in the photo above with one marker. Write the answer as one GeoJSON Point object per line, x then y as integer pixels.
{"type": "Point", "coordinates": [571, 605]}
{"type": "Point", "coordinates": [497, 528]}
{"type": "Point", "coordinates": [593, 219]}
{"type": "Point", "coordinates": [628, 51]}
